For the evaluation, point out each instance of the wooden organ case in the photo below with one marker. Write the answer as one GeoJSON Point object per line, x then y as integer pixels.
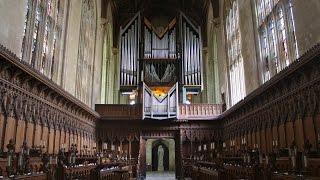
{"type": "Point", "coordinates": [160, 63]}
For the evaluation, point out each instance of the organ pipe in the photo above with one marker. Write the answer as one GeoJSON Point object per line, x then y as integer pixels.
{"type": "Point", "coordinates": [159, 53]}
{"type": "Point", "coordinates": [129, 44]}
{"type": "Point", "coordinates": [191, 60]}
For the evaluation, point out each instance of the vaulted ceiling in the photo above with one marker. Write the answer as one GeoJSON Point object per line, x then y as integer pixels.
{"type": "Point", "coordinates": [124, 10]}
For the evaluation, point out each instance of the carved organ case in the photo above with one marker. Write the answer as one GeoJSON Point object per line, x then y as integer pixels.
{"type": "Point", "coordinates": [161, 60]}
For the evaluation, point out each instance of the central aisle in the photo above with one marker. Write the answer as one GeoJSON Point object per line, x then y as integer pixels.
{"type": "Point", "coordinates": [165, 175]}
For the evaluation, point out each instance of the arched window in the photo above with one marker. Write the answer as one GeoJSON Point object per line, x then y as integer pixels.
{"type": "Point", "coordinates": [236, 71]}
{"type": "Point", "coordinates": [42, 31]}
{"type": "Point", "coordinates": [278, 47]}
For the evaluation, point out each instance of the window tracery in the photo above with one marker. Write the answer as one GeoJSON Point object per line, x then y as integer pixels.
{"type": "Point", "coordinates": [42, 31]}
{"type": "Point", "coordinates": [236, 68]}
{"type": "Point", "coordinates": [278, 47]}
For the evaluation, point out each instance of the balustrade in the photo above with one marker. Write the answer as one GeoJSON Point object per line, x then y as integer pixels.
{"type": "Point", "coordinates": [120, 111]}
{"type": "Point", "coordinates": [200, 111]}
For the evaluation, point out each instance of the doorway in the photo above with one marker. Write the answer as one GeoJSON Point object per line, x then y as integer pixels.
{"type": "Point", "coordinates": [152, 154]}
{"type": "Point", "coordinates": [148, 143]}
{"type": "Point", "coordinates": [160, 155]}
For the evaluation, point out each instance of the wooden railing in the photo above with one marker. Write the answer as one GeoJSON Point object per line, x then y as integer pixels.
{"type": "Point", "coordinates": [119, 111]}
{"type": "Point", "coordinates": [200, 111]}
{"type": "Point", "coordinates": [187, 112]}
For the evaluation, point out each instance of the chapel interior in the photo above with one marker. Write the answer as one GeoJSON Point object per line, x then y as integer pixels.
{"type": "Point", "coordinates": [159, 89]}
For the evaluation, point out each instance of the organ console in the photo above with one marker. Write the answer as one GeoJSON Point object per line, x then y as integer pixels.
{"type": "Point", "coordinates": [157, 57]}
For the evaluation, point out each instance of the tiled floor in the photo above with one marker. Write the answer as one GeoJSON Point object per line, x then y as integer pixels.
{"type": "Point", "coordinates": [165, 175]}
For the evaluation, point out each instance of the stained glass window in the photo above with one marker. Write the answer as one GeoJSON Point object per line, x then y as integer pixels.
{"type": "Point", "coordinates": [278, 47]}
{"type": "Point", "coordinates": [236, 68]}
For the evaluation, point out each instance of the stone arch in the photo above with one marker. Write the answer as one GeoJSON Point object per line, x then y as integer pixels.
{"type": "Point", "coordinates": [155, 145]}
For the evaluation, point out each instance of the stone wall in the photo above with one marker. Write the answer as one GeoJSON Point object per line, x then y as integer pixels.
{"type": "Point", "coordinates": [12, 16]}
{"type": "Point", "coordinates": [306, 16]}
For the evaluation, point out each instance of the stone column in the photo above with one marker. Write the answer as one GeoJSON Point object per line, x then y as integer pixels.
{"type": "Point", "coordinates": [116, 94]}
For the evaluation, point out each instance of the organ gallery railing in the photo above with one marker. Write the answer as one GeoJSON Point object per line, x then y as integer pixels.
{"type": "Point", "coordinates": [119, 111]}
{"type": "Point", "coordinates": [200, 111]}
{"type": "Point", "coordinates": [186, 112]}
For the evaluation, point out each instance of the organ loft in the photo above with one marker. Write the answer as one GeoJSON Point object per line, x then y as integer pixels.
{"type": "Point", "coordinates": [159, 89]}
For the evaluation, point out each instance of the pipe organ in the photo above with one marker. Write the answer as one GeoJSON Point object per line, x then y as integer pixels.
{"type": "Point", "coordinates": [159, 45]}
{"type": "Point", "coordinates": [157, 57]}
{"type": "Point", "coordinates": [192, 55]}
{"type": "Point", "coordinates": [129, 52]}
